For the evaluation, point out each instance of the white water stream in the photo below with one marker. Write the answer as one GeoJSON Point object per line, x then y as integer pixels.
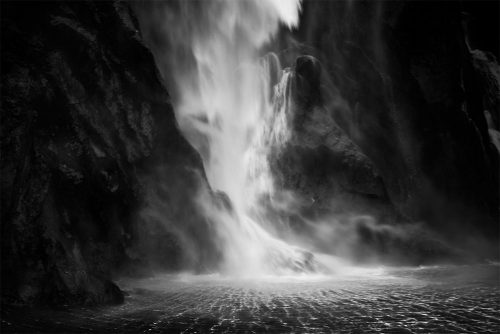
{"type": "Point", "coordinates": [225, 110]}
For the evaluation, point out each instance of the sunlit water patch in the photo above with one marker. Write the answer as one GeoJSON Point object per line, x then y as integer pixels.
{"type": "Point", "coordinates": [460, 299]}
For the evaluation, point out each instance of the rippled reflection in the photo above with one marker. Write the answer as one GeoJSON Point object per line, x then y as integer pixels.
{"type": "Point", "coordinates": [460, 299]}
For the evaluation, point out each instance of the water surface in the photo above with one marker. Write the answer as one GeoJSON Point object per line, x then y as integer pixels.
{"type": "Point", "coordinates": [441, 299]}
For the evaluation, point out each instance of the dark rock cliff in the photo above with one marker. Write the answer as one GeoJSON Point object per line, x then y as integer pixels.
{"type": "Point", "coordinates": [410, 90]}
{"type": "Point", "coordinates": [340, 190]}
{"type": "Point", "coordinates": [84, 116]}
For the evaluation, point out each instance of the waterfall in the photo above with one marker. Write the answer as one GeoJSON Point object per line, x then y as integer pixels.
{"type": "Point", "coordinates": [232, 104]}
{"type": "Point", "coordinates": [223, 95]}
{"type": "Point", "coordinates": [247, 247]}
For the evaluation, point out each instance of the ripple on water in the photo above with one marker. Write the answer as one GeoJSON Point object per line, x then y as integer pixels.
{"type": "Point", "coordinates": [423, 300]}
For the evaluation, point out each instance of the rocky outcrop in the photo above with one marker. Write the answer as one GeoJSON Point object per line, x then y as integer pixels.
{"type": "Point", "coordinates": [487, 76]}
{"type": "Point", "coordinates": [337, 188]}
{"type": "Point", "coordinates": [413, 105]}
{"type": "Point", "coordinates": [320, 162]}
{"type": "Point", "coordinates": [84, 117]}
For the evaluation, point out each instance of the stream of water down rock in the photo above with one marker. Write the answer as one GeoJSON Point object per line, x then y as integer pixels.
{"type": "Point", "coordinates": [440, 299]}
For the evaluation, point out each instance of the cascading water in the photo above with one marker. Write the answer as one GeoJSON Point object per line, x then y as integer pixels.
{"type": "Point", "coordinates": [248, 247]}
{"type": "Point", "coordinates": [224, 108]}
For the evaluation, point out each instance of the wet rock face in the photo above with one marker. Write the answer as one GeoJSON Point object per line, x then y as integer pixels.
{"type": "Point", "coordinates": [487, 74]}
{"type": "Point", "coordinates": [320, 161]}
{"type": "Point", "coordinates": [83, 111]}
{"type": "Point", "coordinates": [410, 98]}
